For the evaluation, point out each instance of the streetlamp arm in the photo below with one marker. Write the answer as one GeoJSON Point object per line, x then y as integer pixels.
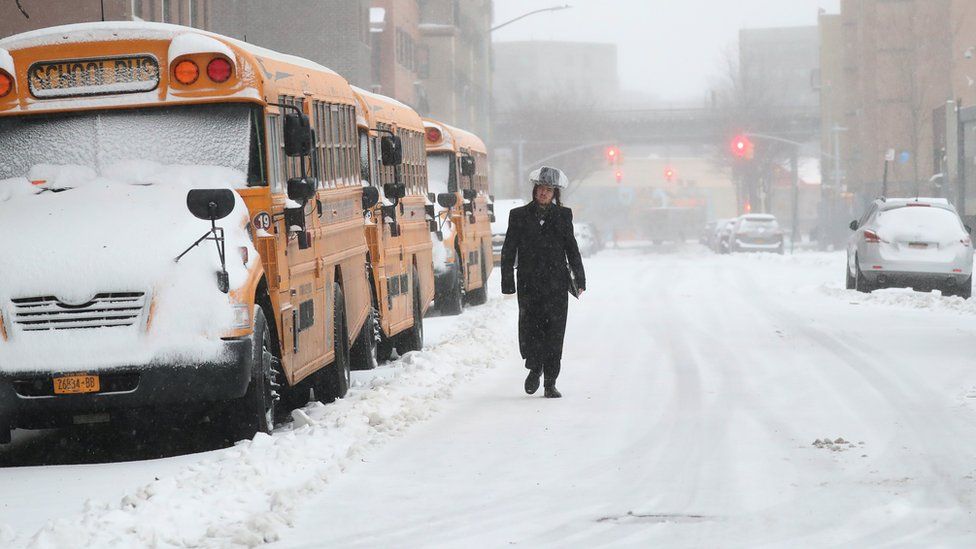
{"type": "Point", "coordinates": [523, 16]}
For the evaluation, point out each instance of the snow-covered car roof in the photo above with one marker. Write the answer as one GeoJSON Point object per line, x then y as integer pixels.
{"type": "Point", "coordinates": [758, 217]}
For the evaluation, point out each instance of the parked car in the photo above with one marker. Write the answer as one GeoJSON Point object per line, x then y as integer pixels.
{"type": "Point", "coordinates": [910, 242]}
{"type": "Point", "coordinates": [586, 238]}
{"type": "Point", "coordinates": [500, 225]}
{"type": "Point", "coordinates": [708, 229]}
{"type": "Point", "coordinates": [723, 236]}
{"type": "Point", "coordinates": [756, 233]}
{"type": "Point", "coordinates": [710, 234]}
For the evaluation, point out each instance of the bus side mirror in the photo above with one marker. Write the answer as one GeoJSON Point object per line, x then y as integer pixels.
{"type": "Point", "coordinates": [298, 135]}
{"type": "Point", "coordinates": [467, 165]}
{"type": "Point", "coordinates": [371, 195]}
{"type": "Point", "coordinates": [210, 204]}
{"type": "Point", "coordinates": [447, 200]}
{"type": "Point", "coordinates": [853, 225]}
{"type": "Point", "coordinates": [392, 150]}
{"type": "Point", "coordinates": [392, 191]}
{"type": "Point", "coordinates": [301, 189]}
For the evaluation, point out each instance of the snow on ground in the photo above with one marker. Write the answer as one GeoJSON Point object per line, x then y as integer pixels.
{"type": "Point", "coordinates": [247, 495]}
{"type": "Point", "coordinates": [710, 401]}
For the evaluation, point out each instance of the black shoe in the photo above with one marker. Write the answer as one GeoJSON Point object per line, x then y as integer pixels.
{"type": "Point", "coordinates": [552, 392]}
{"type": "Point", "coordinates": [532, 382]}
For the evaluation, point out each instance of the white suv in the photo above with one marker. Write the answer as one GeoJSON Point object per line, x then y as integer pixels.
{"type": "Point", "coordinates": [756, 233]}
{"type": "Point", "coordinates": [910, 242]}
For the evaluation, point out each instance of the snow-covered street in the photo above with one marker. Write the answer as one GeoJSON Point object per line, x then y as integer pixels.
{"type": "Point", "coordinates": [709, 401]}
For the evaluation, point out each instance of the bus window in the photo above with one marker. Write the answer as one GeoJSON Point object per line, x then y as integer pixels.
{"type": "Point", "coordinates": [276, 152]}
{"type": "Point", "coordinates": [364, 174]}
{"type": "Point", "coordinates": [257, 175]}
{"type": "Point", "coordinates": [441, 173]}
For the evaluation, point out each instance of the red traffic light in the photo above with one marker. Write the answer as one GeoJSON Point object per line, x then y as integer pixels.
{"type": "Point", "coordinates": [742, 147]}
{"type": "Point", "coordinates": [619, 175]}
{"type": "Point", "coordinates": [613, 155]}
{"type": "Point", "coordinates": [669, 174]}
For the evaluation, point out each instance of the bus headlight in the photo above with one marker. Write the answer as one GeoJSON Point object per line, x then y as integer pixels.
{"type": "Point", "coordinates": [242, 316]}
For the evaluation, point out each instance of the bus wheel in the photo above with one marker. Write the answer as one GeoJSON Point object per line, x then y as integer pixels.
{"type": "Point", "coordinates": [364, 355]}
{"type": "Point", "coordinates": [452, 301]}
{"type": "Point", "coordinates": [256, 411]}
{"type": "Point", "coordinates": [413, 339]}
{"type": "Point", "coordinates": [480, 296]}
{"type": "Point", "coordinates": [333, 381]}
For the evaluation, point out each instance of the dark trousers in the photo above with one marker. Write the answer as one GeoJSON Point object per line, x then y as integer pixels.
{"type": "Point", "coordinates": [542, 327]}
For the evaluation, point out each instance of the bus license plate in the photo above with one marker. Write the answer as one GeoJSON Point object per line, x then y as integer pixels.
{"type": "Point", "coordinates": [73, 385]}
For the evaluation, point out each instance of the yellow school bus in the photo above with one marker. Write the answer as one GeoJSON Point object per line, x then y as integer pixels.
{"type": "Point", "coordinates": [457, 170]}
{"type": "Point", "coordinates": [400, 264]}
{"type": "Point", "coordinates": [121, 140]}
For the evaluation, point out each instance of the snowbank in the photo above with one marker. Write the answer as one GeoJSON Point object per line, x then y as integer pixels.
{"type": "Point", "coordinates": [906, 298]}
{"type": "Point", "coordinates": [249, 494]}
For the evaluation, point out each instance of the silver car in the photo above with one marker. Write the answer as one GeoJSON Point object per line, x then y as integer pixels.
{"type": "Point", "coordinates": [910, 242]}
{"type": "Point", "coordinates": [756, 233]}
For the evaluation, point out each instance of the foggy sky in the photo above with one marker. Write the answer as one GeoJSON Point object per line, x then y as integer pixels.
{"type": "Point", "coordinates": [669, 48]}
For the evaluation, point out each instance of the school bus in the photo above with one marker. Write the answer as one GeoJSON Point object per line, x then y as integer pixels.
{"type": "Point", "coordinates": [281, 299]}
{"type": "Point", "coordinates": [457, 169]}
{"type": "Point", "coordinates": [400, 264]}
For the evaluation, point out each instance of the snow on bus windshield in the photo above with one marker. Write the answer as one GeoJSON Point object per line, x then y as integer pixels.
{"type": "Point", "coordinates": [206, 135]}
{"type": "Point", "coordinates": [438, 173]}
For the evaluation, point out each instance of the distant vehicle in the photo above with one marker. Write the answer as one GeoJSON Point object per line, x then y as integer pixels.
{"type": "Point", "coordinates": [910, 242]}
{"type": "Point", "coordinates": [722, 238]}
{"type": "Point", "coordinates": [586, 238]}
{"type": "Point", "coordinates": [756, 233]}
{"type": "Point", "coordinates": [671, 224]}
{"type": "Point", "coordinates": [500, 225]}
{"type": "Point", "coordinates": [708, 229]}
{"type": "Point", "coordinates": [710, 233]}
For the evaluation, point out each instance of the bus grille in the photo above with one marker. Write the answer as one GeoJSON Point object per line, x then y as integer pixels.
{"type": "Point", "coordinates": [32, 314]}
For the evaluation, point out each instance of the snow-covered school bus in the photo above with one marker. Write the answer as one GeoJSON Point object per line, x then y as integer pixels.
{"type": "Point", "coordinates": [457, 172]}
{"type": "Point", "coordinates": [183, 220]}
{"type": "Point", "coordinates": [400, 266]}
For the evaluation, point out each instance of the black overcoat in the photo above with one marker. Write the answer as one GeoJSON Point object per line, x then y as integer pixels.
{"type": "Point", "coordinates": [543, 252]}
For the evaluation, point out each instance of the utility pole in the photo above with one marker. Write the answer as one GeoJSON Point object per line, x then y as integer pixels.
{"type": "Point", "coordinates": [795, 167]}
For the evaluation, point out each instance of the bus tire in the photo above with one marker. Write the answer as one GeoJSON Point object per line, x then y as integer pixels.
{"type": "Point", "coordinates": [363, 355]}
{"type": "Point", "coordinates": [413, 338]}
{"type": "Point", "coordinates": [480, 296]}
{"type": "Point", "coordinates": [257, 410]}
{"type": "Point", "coordinates": [332, 381]}
{"type": "Point", "coordinates": [451, 302]}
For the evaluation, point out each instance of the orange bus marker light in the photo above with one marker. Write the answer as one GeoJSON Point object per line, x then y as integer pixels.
{"type": "Point", "coordinates": [219, 70]}
{"type": "Point", "coordinates": [6, 84]}
{"type": "Point", "coordinates": [186, 72]}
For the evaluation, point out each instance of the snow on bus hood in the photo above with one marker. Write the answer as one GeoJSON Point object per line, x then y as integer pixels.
{"type": "Point", "coordinates": [116, 232]}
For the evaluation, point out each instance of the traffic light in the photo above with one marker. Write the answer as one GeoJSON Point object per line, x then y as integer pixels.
{"type": "Point", "coordinates": [619, 175]}
{"type": "Point", "coordinates": [669, 174]}
{"type": "Point", "coordinates": [742, 147]}
{"type": "Point", "coordinates": [613, 155]}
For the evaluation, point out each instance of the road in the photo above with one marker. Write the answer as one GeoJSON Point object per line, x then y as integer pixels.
{"type": "Point", "coordinates": [699, 393]}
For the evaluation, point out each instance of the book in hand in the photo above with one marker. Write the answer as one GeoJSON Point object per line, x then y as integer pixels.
{"type": "Point", "coordinates": [574, 289]}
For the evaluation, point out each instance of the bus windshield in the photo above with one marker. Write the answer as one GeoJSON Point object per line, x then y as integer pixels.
{"type": "Point", "coordinates": [188, 135]}
{"type": "Point", "coordinates": [440, 173]}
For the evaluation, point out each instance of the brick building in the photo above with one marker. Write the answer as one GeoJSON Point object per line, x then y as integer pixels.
{"type": "Point", "coordinates": [49, 13]}
{"type": "Point", "coordinates": [896, 70]}
{"type": "Point", "coordinates": [334, 33]}
{"type": "Point", "coordinates": [457, 35]}
{"type": "Point", "coordinates": [400, 58]}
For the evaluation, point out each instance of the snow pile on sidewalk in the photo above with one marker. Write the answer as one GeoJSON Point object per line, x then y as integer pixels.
{"type": "Point", "coordinates": [248, 494]}
{"type": "Point", "coordinates": [906, 298]}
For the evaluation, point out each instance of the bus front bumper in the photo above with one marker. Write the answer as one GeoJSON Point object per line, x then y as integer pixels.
{"type": "Point", "coordinates": [27, 399]}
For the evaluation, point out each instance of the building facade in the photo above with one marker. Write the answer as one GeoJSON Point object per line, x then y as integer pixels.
{"type": "Point", "coordinates": [780, 64]}
{"type": "Point", "coordinates": [400, 58]}
{"type": "Point", "coordinates": [333, 33]}
{"type": "Point", "coordinates": [457, 74]}
{"type": "Point", "coordinates": [49, 13]}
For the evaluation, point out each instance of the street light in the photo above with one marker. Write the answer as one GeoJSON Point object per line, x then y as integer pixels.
{"type": "Point", "coordinates": [523, 16]}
